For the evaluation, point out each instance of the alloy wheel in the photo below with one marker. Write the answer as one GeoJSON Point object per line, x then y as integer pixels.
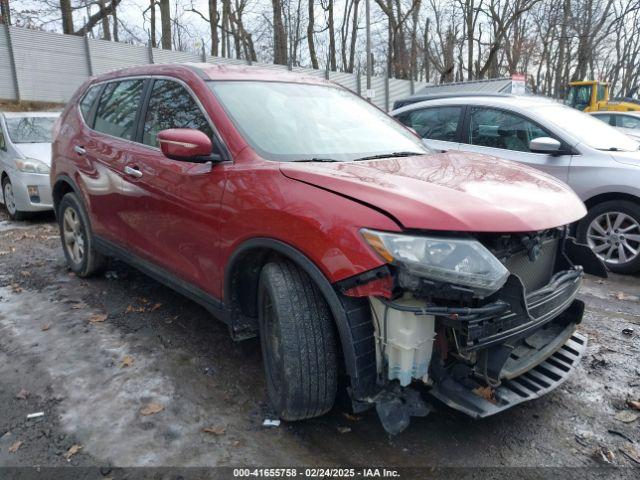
{"type": "Point", "coordinates": [73, 235]}
{"type": "Point", "coordinates": [614, 237]}
{"type": "Point", "coordinates": [9, 199]}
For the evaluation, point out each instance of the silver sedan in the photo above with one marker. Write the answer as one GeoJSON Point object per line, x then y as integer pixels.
{"type": "Point", "coordinates": [601, 164]}
{"type": "Point", "coordinates": [626, 122]}
{"type": "Point", "coordinates": [25, 160]}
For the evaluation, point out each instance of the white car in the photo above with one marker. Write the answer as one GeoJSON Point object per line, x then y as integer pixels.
{"type": "Point", "coordinates": [626, 122]}
{"type": "Point", "coordinates": [25, 160]}
{"type": "Point", "coordinates": [601, 164]}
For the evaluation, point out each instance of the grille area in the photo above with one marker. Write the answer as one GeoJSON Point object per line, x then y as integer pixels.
{"type": "Point", "coordinates": [536, 274]}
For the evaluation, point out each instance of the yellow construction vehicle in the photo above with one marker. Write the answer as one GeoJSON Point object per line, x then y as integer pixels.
{"type": "Point", "coordinates": [591, 96]}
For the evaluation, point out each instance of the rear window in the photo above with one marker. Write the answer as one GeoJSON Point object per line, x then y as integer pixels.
{"type": "Point", "coordinates": [118, 107]}
{"type": "Point", "coordinates": [30, 129]}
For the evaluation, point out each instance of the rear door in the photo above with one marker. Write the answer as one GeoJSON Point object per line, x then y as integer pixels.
{"type": "Point", "coordinates": [176, 202]}
{"type": "Point", "coordinates": [439, 127]}
{"type": "Point", "coordinates": [506, 135]}
{"type": "Point", "coordinates": [104, 149]}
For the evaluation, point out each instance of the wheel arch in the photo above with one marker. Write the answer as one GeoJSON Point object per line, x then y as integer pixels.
{"type": "Point", "coordinates": [63, 185]}
{"type": "Point", "coordinates": [350, 314]}
{"type": "Point", "coordinates": [605, 197]}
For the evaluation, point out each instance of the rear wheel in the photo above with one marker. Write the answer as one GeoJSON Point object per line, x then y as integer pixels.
{"type": "Point", "coordinates": [298, 342]}
{"type": "Point", "coordinates": [77, 241]}
{"type": "Point", "coordinates": [10, 201]}
{"type": "Point", "coordinates": [612, 230]}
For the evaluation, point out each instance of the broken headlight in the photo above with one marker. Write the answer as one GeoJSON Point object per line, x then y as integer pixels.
{"type": "Point", "coordinates": [457, 261]}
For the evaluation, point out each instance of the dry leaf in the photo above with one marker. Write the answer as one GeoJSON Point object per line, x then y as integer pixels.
{"type": "Point", "coordinates": [127, 361]}
{"type": "Point", "coordinates": [132, 309]}
{"type": "Point", "coordinates": [635, 404]}
{"type": "Point", "coordinates": [45, 327]}
{"type": "Point", "coordinates": [25, 274]}
{"type": "Point", "coordinates": [215, 430]}
{"type": "Point", "coordinates": [630, 452]}
{"type": "Point", "coordinates": [353, 418]}
{"type": "Point", "coordinates": [72, 451]}
{"type": "Point", "coordinates": [627, 416]}
{"type": "Point", "coordinates": [487, 393]}
{"type": "Point", "coordinates": [79, 306]}
{"type": "Point", "coordinates": [343, 429]}
{"type": "Point", "coordinates": [97, 317]}
{"type": "Point", "coordinates": [16, 288]}
{"type": "Point", "coordinates": [604, 454]}
{"type": "Point", "coordinates": [155, 307]}
{"type": "Point", "coordinates": [151, 409]}
{"type": "Point", "coordinates": [16, 445]}
{"type": "Point", "coordinates": [23, 394]}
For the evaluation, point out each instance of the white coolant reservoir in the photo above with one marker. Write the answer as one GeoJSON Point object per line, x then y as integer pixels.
{"type": "Point", "coordinates": [404, 341]}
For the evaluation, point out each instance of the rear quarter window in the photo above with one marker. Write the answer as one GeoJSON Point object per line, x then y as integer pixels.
{"type": "Point", "coordinates": [87, 102]}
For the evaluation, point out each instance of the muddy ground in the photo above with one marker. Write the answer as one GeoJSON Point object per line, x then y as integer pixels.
{"type": "Point", "coordinates": [91, 378]}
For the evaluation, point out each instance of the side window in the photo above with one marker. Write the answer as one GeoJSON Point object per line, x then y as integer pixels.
{"type": "Point", "coordinates": [438, 123]}
{"type": "Point", "coordinates": [627, 121]}
{"type": "Point", "coordinates": [499, 129]}
{"type": "Point", "coordinates": [87, 102]}
{"type": "Point", "coordinates": [172, 106]}
{"type": "Point", "coordinates": [118, 107]}
{"type": "Point", "coordinates": [600, 92]}
{"type": "Point", "coordinates": [606, 118]}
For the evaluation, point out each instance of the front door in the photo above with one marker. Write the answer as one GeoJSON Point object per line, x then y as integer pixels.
{"type": "Point", "coordinates": [507, 135]}
{"type": "Point", "coordinates": [177, 202]}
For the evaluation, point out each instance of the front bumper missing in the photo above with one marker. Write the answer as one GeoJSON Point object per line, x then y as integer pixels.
{"type": "Point", "coordinates": [541, 379]}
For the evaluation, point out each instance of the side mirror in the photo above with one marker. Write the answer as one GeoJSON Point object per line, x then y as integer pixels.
{"type": "Point", "coordinates": [545, 145]}
{"type": "Point", "coordinates": [187, 145]}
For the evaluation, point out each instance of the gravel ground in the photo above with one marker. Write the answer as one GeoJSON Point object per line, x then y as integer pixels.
{"type": "Point", "coordinates": [93, 354]}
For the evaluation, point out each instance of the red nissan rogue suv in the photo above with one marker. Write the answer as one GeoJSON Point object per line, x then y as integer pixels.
{"type": "Point", "coordinates": [294, 210]}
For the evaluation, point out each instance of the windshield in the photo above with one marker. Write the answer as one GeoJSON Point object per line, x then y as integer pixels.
{"type": "Point", "coordinates": [587, 129]}
{"type": "Point", "coordinates": [579, 96]}
{"type": "Point", "coordinates": [293, 122]}
{"type": "Point", "coordinates": [30, 129]}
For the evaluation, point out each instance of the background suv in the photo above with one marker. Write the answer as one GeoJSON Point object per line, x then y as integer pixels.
{"type": "Point", "coordinates": [601, 164]}
{"type": "Point", "coordinates": [293, 209]}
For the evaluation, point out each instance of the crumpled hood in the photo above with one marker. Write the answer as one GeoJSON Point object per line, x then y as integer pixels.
{"type": "Point", "coordinates": [450, 191]}
{"type": "Point", "coordinates": [39, 151]}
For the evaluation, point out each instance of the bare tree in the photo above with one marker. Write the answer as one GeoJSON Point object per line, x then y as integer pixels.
{"type": "Point", "coordinates": [165, 21]}
{"type": "Point", "coordinates": [279, 34]}
{"type": "Point", "coordinates": [5, 14]}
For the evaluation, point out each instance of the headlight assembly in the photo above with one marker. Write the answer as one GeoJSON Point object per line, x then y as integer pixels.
{"type": "Point", "coordinates": [31, 165]}
{"type": "Point", "coordinates": [450, 260]}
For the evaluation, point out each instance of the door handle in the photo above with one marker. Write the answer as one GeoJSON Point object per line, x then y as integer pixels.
{"type": "Point", "coordinates": [79, 150]}
{"type": "Point", "coordinates": [134, 172]}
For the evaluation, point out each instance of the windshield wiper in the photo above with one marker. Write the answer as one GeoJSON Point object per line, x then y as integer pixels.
{"type": "Point", "coordinates": [328, 160]}
{"type": "Point", "coordinates": [390, 155]}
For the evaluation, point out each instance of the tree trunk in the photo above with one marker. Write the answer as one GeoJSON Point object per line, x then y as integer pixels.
{"type": "Point", "coordinates": [5, 14]}
{"type": "Point", "coordinates": [114, 15]}
{"type": "Point", "coordinates": [165, 21]}
{"type": "Point", "coordinates": [213, 22]}
{"type": "Point", "coordinates": [310, 39]}
{"type": "Point", "coordinates": [279, 35]}
{"type": "Point", "coordinates": [152, 28]}
{"type": "Point", "coordinates": [332, 38]}
{"type": "Point", "coordinates": [67, 17]}
{"type": "Point", "coordinates": [106, 31]}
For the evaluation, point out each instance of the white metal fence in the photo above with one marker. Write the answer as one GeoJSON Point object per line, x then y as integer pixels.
{"type": "Point", "coordinates": [48, 67]}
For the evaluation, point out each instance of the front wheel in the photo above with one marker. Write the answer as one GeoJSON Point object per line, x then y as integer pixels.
{"type": "Point", "coordinates": [298, 342]}
{"type": "Point", "coordinates": [612, 230]}
{"type": "Point", "coordinates": [10, 201]}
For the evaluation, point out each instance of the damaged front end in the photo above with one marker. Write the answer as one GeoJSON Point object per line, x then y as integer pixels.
{"type": "Point", "coordinates": [485, 321]}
